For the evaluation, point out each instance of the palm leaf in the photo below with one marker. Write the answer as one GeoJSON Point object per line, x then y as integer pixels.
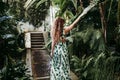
{"type": "Point", "coordinates": [89, 62]}
{"type": "Point", "coordinates": [40, 2]}
{"type": "Point", "coordinates": [75, 4]}
{"type": "Point", "coordinates": [68, 14]}
{"type": "Point", "coordinates": [28, 4]}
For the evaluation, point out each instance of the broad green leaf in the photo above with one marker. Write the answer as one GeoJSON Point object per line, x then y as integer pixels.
{"type": "Point", "coordinates": [85, 74]}
{"type": "Point", "coordinates": [87, 35]}
{"type": "Point", "coordinates": [101, 45]}
{"type": "Point", "coordinates": [98, 34]}
{"type": "Point", "coordinates": [89, 61]}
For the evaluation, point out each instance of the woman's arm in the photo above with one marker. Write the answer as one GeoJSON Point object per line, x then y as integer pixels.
{"type": "Point", "coordinates": [67, 29]}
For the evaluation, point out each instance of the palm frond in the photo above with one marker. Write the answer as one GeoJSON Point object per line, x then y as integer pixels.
{"type": "Point", "coordinates": [28, 4]}
{"type": "Point", "coordinates": [40, 2]}
{"type": "Point", "coordinates": [75, 4]}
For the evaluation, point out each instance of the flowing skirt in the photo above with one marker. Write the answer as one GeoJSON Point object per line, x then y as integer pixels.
{"type": "Point", "coordinates": [60, 68]}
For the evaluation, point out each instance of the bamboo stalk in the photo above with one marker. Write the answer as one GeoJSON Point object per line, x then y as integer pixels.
{"type": "Point", "coordinates": [103, 21]}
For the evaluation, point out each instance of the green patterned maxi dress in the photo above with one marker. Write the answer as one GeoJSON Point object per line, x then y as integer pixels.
{"type": "Point", "coordinates": [60, 69]}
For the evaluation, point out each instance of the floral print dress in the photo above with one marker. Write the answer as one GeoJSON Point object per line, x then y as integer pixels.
{"type": "Point", "coordinates": [60, 68]}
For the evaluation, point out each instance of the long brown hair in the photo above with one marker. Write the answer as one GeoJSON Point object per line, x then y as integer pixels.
{"type": "Point", "coordinates": [56, 31]}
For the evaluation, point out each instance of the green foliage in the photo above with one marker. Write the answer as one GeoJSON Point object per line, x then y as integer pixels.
{"type": "Point", "coordinates": [14, 70]}
{"type": "Point", "coordinates": [117, 31]}
{"type": "Point", "coordinates": [48, 44]}
{"type": "Point", "coordinates": [40, 3]}
{"type": "Point", "coordinates": [96, 67]}
{"type": "Point", "coordinates": [11, 48]}
{"type": "Point", "coordinates": [93, 37]}
{"type": "Point", "coordinates": [82, 66]}
{"type": "Point", "coordinates": [67, 8]}
{"type": "Point", "coordinates": [16, 9]}
{"type": "Point", "coordinates": [62, 5]}
{"type": "Point", "coordinates": [88, 42]}
{"type": "Point", "coordinates": [36, 11]}
{"type": "Point", "coordinates": [75, 3]}
{"type": "Point", "coordinates": [12, 41]}
{"type": "Point", "coordinates": [117, 38]}
{"type": "Point", "coordinates": [94, 59]}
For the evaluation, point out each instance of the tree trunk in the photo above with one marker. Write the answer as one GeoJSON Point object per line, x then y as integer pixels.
{"type": "Point", "coordinates": [103, 21]}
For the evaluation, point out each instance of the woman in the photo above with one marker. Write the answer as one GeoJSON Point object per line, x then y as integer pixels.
{"type": "Point", "coordinates": [60, 69]}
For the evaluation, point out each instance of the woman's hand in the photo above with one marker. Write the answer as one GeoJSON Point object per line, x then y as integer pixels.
{"type": "Point", "coordinates": [51, 54]}
{"type": "Point", "coordinates": [62, 39]}
{"type": "Point", "coordinates": [66, 30]}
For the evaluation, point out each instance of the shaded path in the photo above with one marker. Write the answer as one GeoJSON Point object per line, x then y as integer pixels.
{"type": "Point", "coordinates": [40, 64]}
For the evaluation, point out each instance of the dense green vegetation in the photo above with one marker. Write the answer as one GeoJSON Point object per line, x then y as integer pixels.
{"type": "Point", "coordinates": [11, 47]}
{"type": "Point", "coordinates": [12, 64]}
{"type": "Point", "coordinates": [94, 44]}
{"type": "Point", "coordinates": [94, 51]}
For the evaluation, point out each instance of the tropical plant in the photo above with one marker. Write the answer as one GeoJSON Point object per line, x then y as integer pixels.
{"type": "Point", "coordinates": [11, 47]}
{"type": "Point", "coordinates": [36, 11]}
{"type": "Point", "coordinates": [97, 67]}
{"type": "Point", "coordinates": [95, 39]}
{"type": "Point", "coordinates": [14, 71]}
